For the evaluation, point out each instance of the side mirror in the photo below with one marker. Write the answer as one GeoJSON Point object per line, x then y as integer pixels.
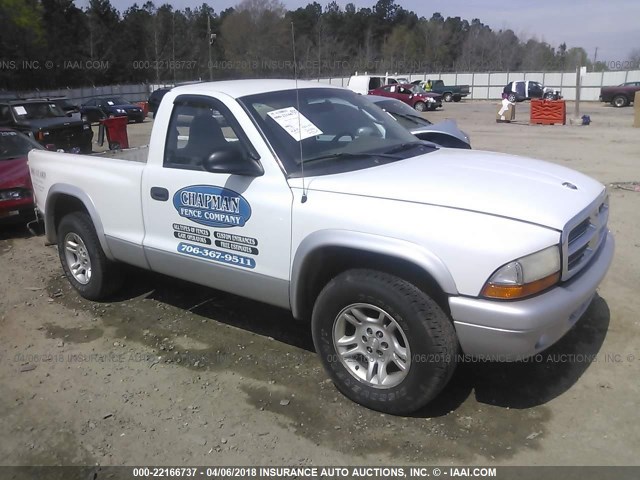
{"type": "Point", "coordinates": [233, 160]}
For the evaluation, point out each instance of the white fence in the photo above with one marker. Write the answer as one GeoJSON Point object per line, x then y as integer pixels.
{"type": "Point", "coordinates": [489, 85]}
{"type": "Point", "coordinates": [133, 93]}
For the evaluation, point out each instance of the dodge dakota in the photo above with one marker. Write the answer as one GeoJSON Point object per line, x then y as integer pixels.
{"type": "Point", "coordinates": [401, 255]}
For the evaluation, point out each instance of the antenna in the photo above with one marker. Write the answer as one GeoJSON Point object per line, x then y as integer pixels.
{"type": "Point", "coordinates": [295, 75]}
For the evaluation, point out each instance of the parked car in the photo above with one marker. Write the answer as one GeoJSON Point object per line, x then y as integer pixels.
{"type": "Point", "coordinates": [450, 93]}
{"type": "Point", "coordinates": [445, 133]}
{"type": "Point", "coordinates": [98, 109]}
{"type": "Point", "coordinates": [317, 201]}
{"type": "Point", "coordinates": [363, 84]}
{"type": "Point", "coordinates": [44, 121]}
{"type": "Point", "coordinates": [16, 196]}
{"type": "Point", "coordinates": [620, 96]}
{"type": "Point", "coordinates": [521, 90]}
{"type": "Point", "coordinates": [412, 95]}
{"type": "Point", "coordinates": [155, 98]}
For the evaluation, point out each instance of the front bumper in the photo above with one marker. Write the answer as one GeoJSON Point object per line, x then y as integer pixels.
{"type": "Point", "coordinates": [507, 331]}
{"type": "Point", "coordinates": [14, 210]}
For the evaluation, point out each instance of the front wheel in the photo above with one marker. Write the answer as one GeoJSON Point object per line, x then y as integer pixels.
{"type": "Point", "coordinates": [619, 101]}
{"type": "Point", "coordinates": [420, 106]}
{"type": "Point", "coordinates": [512, 98]}
{"type": "Point", "coordinates": [385, 343]}
{"type": "Point", "coordinates": [86, 266]}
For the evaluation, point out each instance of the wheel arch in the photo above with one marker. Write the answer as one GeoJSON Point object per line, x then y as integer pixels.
{"type": "Point", "coordinates": [324, 254]}
{"type": "Point", "coordinates": [63, 199]}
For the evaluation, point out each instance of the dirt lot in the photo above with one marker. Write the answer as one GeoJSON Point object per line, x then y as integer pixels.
{"type": "Point", "coordinates": [172, 373]}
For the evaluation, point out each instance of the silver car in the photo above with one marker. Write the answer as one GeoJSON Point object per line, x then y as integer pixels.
{"type": "Point", "coordinates": [445, 133]}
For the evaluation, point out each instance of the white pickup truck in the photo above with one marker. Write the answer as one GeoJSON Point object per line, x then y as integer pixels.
{"type": "Point", "coordinates": [402, 255]}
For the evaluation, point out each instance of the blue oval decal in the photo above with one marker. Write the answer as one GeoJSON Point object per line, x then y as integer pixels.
{"type": "Point", "coordinates": [212, 206]}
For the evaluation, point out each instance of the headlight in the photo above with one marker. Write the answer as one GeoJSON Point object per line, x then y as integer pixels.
{"type": "Point", "coordinates": [14, 194]}
{"type": "Point", "coordinates": [525, 276]}
{"type": "Point", "coordinates": [120, 110]}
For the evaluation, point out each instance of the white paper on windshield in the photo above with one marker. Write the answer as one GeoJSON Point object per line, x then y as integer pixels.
{"type": "Point", "coordinates": [294, 123]}
{"type": "Point", "coordinates": [20, 110]}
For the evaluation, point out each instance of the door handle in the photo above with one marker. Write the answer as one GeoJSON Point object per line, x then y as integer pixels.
{"type": "Point", "coordinates": [159, 193]}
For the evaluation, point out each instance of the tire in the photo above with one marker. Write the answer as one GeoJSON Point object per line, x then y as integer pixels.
{"type": "Point", "coordinates": [429, 338]}
{"type": "Point", "coordinates": [447, 97]}
{"type": "Point", "coordinates": [457, 98]}
{"type": "Point", "coordinates": [512, 98]}
{"type": "Point", "coordinates": [620, 101]}
{"type": "Point", "coordinates": [420, 106]}
{"type": "Point", "coordinates": [78, 243]}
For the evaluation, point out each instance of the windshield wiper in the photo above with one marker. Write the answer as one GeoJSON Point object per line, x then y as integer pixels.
{"type": "Point", "coordinates": [410, 145]}
{"type": "Point", "coordinates": [350, 155]}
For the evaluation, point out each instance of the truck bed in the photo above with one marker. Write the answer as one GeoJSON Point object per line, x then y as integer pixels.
{"type": "Point", "coordinates": [138, 154]}
{"type": "Point", "coordinates": [108, 183]}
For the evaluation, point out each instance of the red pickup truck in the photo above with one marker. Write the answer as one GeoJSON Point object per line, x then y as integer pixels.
{"type": "Point", "coordinates": [619, 96]}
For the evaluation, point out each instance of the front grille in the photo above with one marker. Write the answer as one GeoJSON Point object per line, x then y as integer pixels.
{"type": "Point", "coordinates": [584, 236]}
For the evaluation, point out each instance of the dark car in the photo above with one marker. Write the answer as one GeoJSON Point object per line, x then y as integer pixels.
{"type": "Point", "coordinates": [522, 90]}
{"type": "Point", "coordinates": [445, 133]}
{"type": "Point", "coordinates": [98, 109]}
{"type": "Point", "coordinates": [450, 93]}
{"type": "Point", "coordinates": [16, 197]}
{"type": "Point", "coordinates": [620, 96]}
{"type": "Point", "coordinates": [45, 122]}
{"type": "Point", "coordinates": [412, 95]}
{"type": "Point", "coordinates": [155, 98]}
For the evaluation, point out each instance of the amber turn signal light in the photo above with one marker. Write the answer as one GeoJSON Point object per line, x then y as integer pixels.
{"type": "Point", "coordinates": [510, 292]}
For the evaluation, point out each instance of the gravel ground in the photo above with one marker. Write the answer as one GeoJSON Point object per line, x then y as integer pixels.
{"type": "Point", "coordinates": [172, 373]}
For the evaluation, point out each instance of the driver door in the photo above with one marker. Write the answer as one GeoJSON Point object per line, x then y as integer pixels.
{"type": "Point", "coordinates": [228, 231]}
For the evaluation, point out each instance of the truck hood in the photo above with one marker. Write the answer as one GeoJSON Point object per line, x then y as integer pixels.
{"type": "Point", "coordinates": [53, 123]}
{"type": "Point", "coordinates": [493, 183]}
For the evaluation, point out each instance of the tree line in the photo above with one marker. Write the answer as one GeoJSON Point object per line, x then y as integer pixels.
{"type": "Point", "coordinates": [53, 43]}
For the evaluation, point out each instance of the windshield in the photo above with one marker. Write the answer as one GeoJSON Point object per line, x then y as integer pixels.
{"type": "Point", "coordinates": [339, 130]}
{"type": "Point", "coordinates": [37, 110]}
{"type": "Point", "coordinates": [116, 101]}
{"type": "Point", "coordinates": [418, 89]}
{"type": "Point", "coordinates": [15, 145]}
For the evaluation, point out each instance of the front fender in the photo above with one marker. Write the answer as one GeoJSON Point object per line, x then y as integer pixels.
{"type": "Point", "coordinates": [387, 246]}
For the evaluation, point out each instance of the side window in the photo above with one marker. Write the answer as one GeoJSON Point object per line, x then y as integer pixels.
{"type": "Point", "coordinates": [374, 83]}
{"type": "Point", "coordinates": [198, 129]}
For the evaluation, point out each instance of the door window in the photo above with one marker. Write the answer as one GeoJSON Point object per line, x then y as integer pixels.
{"type": "Point", "coordinates": [197, 129]}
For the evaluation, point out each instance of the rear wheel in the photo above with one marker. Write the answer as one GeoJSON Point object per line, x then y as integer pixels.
{"type": "Point", "coordinates": [86, 266]}
{"type": "Point", "coordinates": [512, 97]}
{"type": "Point", "coordinates": [385, 344]}
{"type": "Point", "coordinates": [457, 98]}
{"type": "Point", "coordinates": [420, 106]}
{"type": "Point", "coordinates": [620, 101]}
{"type": "Point", "coordinates": [447, 97]}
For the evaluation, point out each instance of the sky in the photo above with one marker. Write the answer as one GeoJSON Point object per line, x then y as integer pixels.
{"type": "Point", "coordinates": [611, 26]}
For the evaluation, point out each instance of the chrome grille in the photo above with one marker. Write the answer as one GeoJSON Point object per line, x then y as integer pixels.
{"type": "Point", "coordinates": [583, 236]}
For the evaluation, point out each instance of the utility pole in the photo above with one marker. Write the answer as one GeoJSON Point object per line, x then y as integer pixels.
{"type": "Point", "coordinates": [576, 112]}
{"type": "Point", "coordinates": [210, 42]}
{"type": "Point", "coordinates": [173, 46]}
{"type": "Point", "coordinates": [595, 59]}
